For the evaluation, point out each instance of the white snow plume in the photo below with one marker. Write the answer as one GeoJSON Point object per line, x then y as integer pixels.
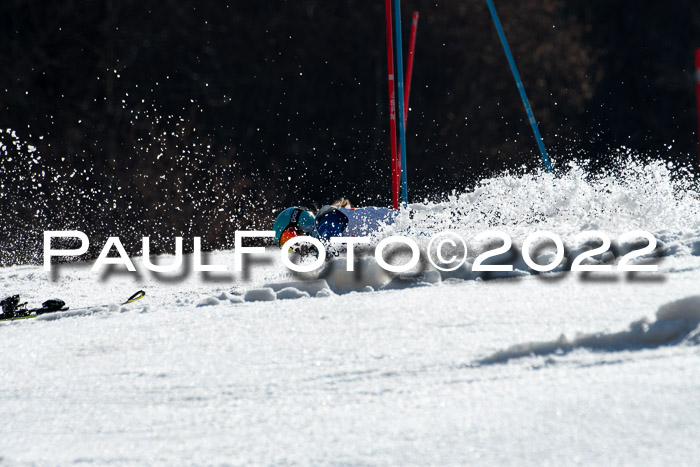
{"type": "Point", "coordinates": [677, 322]}
{"type": "Point", "coordinates": [656, 197]}
{"type": "Point", "coordinates": [653, 196]}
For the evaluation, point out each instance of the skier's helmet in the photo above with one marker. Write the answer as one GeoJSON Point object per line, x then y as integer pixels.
{"type": "Point", "coordinates": [292, 222]}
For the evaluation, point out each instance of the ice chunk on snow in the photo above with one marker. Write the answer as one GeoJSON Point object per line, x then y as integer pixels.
{"type": "Point", "coordinates": [695, 247]}
{"type": "Point", "coordinates": [404, 281]}
{"type": "Point", "coordinates": [266, 294]}
{"type": "Point", "coordinates": [291, 293]}
{"type": "Point", "coordinates": [208, 301]}
{"type": "Point", "coordinates": [687, 309]}
{"type": "Point", "coordinates": [310, 287]}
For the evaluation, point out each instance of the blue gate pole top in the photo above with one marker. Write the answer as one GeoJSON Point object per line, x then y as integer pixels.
{"type": "Point", "coordinates": [519, 84]}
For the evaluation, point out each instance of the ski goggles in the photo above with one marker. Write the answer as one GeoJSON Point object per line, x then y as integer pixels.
{"type": "Point", "coordinates": [289, 233]}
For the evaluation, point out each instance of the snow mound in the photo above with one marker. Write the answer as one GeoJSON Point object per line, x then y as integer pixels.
{"type": "Point", "coordinates": [223, 296]}
{"type": "Point", "coordinates": [291, 293]}
{"type": "Point", "coordinates": [405, 281]}
{"type": "Point", "coordinates": [69, 313]}
{"type": "Point", "coordinates": [265, 294]}
{"type": "Point", "coordinates": [676, 322]}
{"type": "Point", "coordinates": [367, 273]}
{"type": "Point", "coordinates": [695, 247]}
{"type": "Point", "coordinates": [208, 301]}
{"type": "Point", "coordinates": [312, 287]}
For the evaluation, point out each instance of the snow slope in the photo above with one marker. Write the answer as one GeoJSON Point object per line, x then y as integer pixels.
{"type": "Point", "coordinates": [430, 368]}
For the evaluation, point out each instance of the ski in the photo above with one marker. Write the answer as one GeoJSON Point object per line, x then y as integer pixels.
{"type": "Point", "coordinates": [13, 310]}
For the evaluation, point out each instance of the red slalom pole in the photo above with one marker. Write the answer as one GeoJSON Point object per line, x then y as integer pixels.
{"type": "Point", "coordinates": [395, 162]}
{"type": "Point", "coordinates": [697, 84]}
{"type": "Point", "coordinates": [409, 67]}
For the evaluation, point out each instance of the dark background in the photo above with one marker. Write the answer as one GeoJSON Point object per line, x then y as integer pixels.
{"type": "Point", "coordinates": [184, 117]}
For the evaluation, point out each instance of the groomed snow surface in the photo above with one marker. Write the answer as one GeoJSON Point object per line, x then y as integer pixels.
{"type": "Point", "coordinates": [371, 368]}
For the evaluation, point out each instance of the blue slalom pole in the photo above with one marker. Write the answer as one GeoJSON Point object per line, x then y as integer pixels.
{"type": "Point", "coordinates": [402, 121]}
{"type": "Point", "coordinates": [519, 83]}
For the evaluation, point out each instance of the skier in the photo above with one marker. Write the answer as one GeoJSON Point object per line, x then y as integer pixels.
{"type": "Point", "coordinates": [339, 219]}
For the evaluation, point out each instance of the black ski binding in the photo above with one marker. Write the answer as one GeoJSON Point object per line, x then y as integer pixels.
{"type": "Point", "coordinates": [53, 304]}
{"type": "Point", "coordinates": [12, 308]}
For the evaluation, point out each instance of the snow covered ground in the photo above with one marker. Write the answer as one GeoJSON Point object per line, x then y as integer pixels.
{"type": "Point", "coordinates": [427, 369]}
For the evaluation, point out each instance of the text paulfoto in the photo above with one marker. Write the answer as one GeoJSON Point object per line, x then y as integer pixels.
{"type": "Point", "coordinates": [437, 246]}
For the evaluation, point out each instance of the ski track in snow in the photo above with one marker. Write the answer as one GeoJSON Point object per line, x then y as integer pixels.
{"type": "Point", "coordinates": [368, 368]}
{"type": "Point", "coordinates": [676, 322]}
